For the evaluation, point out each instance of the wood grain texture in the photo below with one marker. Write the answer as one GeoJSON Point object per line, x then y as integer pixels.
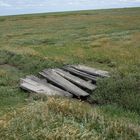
{"type": "Point", "coordinates": [34, 84]}
{"type": "Point", "coordinates": [91, 71]}
{"type": "Point", "coordinates": [76, 80]}
{"type": "Point", "coordinates": [63, 83]}
{"type": "Point", "coordinates": [80, 73]}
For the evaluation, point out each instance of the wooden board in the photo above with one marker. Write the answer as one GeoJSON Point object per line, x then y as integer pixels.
{"type": "Point", "coordinates": [75, 80]}
{"type": "Point", "coordinates": [63, 83]}
{"type": "Point", "coordinates": [34, 84]}
{"type": "Point", "coordinates": [91, 71]}
{"type": "Point", "coordinates": [36, 79]}
{"type": "Point", "coordinates": [80, 73]}
{"type": "Point", "coordinates": [67, 81]}
{"type": "Point", "coordinates": [44, 81]}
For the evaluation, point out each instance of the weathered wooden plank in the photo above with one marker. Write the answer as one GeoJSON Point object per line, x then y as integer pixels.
{"type": "Point", "coordinates": [32, 88]}
{"type": "Point", "coordinates": [45, 88]}
{"type": "Point", "coordinates": [80, 73]}
{"type": "Point", "coordinates": [63, 83]}
{"type": "Point", "coordinates": [76, 80]}
{"type": "Point", "coordinates": [65, 93]}
{"type": "Point", "coordinates": [36, 79]}
{"type": "Point", "coordinates": [44, 82]}
{"type": "Point", "coordinates": [91, 71]}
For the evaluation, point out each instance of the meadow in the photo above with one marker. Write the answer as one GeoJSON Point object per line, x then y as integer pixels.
{"type": "Point", "coordinates": [104, 39]}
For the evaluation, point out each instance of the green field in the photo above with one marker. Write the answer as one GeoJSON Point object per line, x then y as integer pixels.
{"type": "Point", "coordinates": [104, 39]}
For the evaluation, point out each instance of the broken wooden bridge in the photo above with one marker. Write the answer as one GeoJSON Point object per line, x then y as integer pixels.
{"type": "Point", "coordinates": [70, 81]}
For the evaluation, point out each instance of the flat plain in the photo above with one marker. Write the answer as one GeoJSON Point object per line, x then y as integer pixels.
{"type": "Point", "coordinates": [104, 39]}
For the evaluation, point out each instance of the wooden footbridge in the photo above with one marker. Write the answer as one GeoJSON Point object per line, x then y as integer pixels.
{"type": "Point", "coordinates": [70, 81]}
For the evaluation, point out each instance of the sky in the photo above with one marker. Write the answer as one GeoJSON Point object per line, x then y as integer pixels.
{"type": "Point", "coordinates": [15, 7]}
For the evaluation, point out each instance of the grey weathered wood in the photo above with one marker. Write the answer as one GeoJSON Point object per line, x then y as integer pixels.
{"type": "Point", "coordinates": [65, 93]}
{"type": "Point", "coordinates": [74, 79]}
{"type": "Point", "coordinates": [44, 82]}
{"type": "Point", "coordinates": [92, 71]}
{"type": "Point", "coordinates": [63, 83]}
{"type": "Point", "coordinates": [34, 84]}
{"type": "Point", "coordinates": [80, 73]}
{"type": "Point", "coordinates": [36, 79]}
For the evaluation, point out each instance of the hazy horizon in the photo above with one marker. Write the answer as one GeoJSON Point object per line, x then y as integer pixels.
{"type": "Point", "coordinates": [16, 7]}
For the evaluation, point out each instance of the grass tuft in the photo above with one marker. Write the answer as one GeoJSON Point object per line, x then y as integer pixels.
{"type": "Point", "coordinates": [58, 118]}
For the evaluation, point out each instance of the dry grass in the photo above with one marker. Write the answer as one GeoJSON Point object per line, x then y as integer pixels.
{"type": "Point", "coordinates": [60, 118]}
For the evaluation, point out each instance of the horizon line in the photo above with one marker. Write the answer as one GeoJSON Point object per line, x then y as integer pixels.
{"type": "Point", "coordinates": [67, 11]}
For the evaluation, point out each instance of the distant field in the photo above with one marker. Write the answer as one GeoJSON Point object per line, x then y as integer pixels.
{"type": "Point", "coordinates": [105, 39]}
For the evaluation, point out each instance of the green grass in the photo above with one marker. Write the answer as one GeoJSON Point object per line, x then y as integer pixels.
{"type": "Point", "coordinates": [60, 119]}
{"type": "Point", "coordinates": [105, 39]}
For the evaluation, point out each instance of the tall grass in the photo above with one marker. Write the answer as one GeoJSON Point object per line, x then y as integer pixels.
{"type": "Point", "coordinates": [120, 90]}
{"type": "Point", "coordinates": [60, 118]}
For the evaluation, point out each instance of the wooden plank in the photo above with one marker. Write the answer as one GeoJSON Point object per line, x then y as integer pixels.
{"type": "Point", "coordinates": [76, 80]}
{"type": "Point", "coordinates": [65, 93]}
{"type": "Point", "coordinates": [48, 90]}
{"type": "Point", "coordinates": [92, 71]}
{"type": "Point", "coordinates": [44, 81]}
{"type": "Point", "coordinates": [63, 83]}
{"type": "Point", "coordinates": [32, 88]}
{"type": "Point", "coordinates": [37, 87]}
{"type": "Point", "coordinates": [80, 73]}
{"type": "Point", "coordinates": [36, 79]}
